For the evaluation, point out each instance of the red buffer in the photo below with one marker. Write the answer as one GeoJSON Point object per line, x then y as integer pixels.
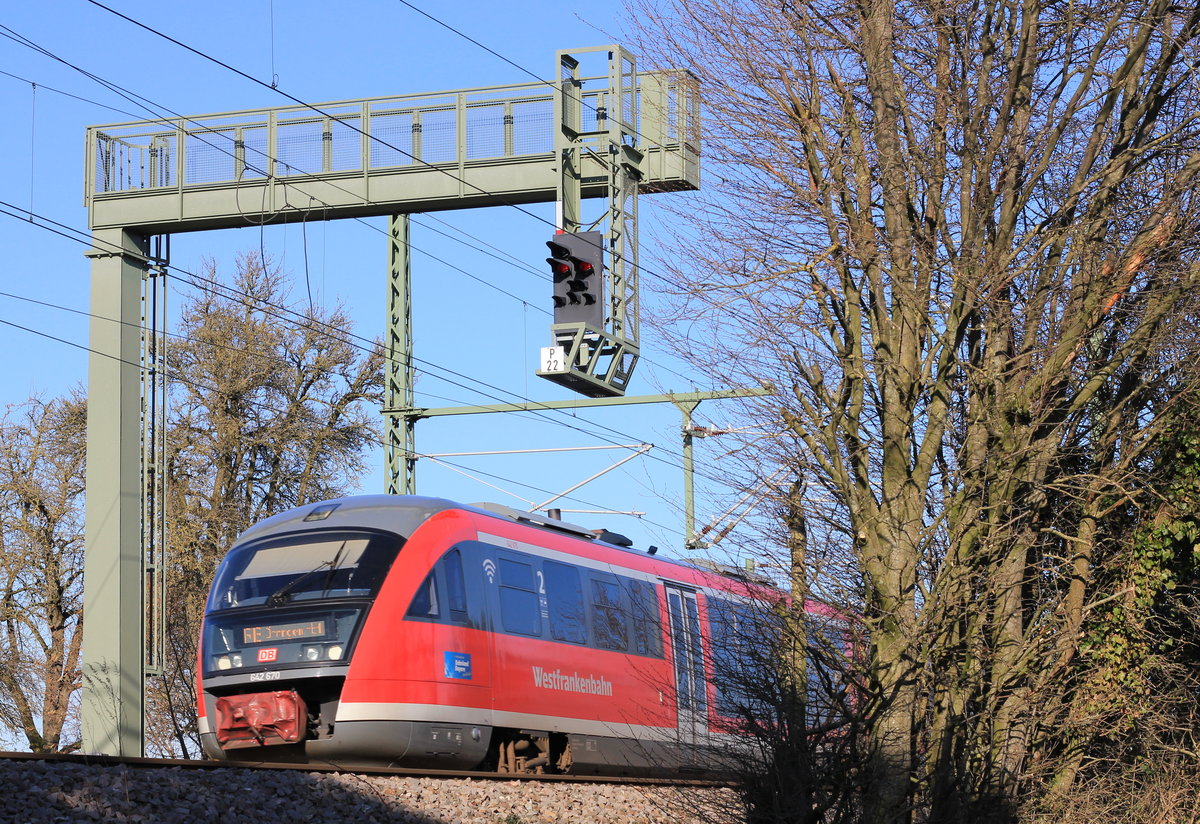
{"type": "Point", "coordinates": [260, 719]}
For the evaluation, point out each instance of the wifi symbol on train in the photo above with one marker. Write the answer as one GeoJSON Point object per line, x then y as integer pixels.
{"type": "Point", "coordinates": [489, 569]}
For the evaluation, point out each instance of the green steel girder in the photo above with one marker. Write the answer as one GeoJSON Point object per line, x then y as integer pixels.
{"type": "Point", "coordinates": [113, 642]}
{"type": "Point", "coordinates": [399, 374]}
{"type": "Point", "coordinates": [372, 157]}
{"type": "Point", "coordinates": [587, 361]}
{"type": "Point", "coordinates": [418, 413]}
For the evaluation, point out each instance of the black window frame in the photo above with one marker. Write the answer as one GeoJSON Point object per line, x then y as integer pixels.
{"type": "Point", "coordinates": [645, 617]}
{"type": "Point", "coordinates": [456, 585]}
{"type": "Point", "coordinates": [603, 611]}
{"type": "Point", "coordinates": [426, 603]}
{"type": "Point", "coordinates": [514, 598]}
{"type": "Point", "coordinates": [566, 605]}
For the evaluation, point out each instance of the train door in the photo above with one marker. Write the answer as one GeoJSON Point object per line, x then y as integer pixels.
{"type": "Point", "coordinates": [518, 606]}
{"type": "Point", "coordinates": [691, 689]}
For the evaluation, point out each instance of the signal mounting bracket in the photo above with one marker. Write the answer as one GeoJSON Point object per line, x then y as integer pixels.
{"type": "Point", "coordinates": [599, 122]}
{"type": "Point", "coordinates": [586, 360]}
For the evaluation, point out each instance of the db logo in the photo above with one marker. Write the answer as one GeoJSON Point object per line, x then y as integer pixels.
{"type": "Point", "coordinates": [267, 655]}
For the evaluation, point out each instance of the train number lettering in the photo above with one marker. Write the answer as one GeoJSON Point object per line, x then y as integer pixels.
{"type": "Point", "coordinates": [270, 675]}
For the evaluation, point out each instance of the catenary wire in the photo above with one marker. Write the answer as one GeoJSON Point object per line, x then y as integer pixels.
{"type": "Point", "coordinates": [116, 89]}
{"type": "Point", "coordinates": [199, 385]}
{"type": "Point", "coordinates": [350, 126]}
{"type": "Point", "coordinates": [311, 107]}
{"type": "Point", "coordinates": [282, 313]}
{"type": "Point", "coordinates": [149, 105]}
{"type": "Point", "coordinates": [538, 78]}
{"type": "Point", "coordinates": [288, 315]}
{"type": "Point", "coordinates": [432, 365]}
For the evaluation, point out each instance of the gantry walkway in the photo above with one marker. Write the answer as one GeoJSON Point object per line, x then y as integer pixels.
{"type": "Point", "coordinates": [381, 156]}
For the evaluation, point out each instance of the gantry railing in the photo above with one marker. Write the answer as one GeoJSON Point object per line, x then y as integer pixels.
{"type": "Point", "coordinates": [380, 155]}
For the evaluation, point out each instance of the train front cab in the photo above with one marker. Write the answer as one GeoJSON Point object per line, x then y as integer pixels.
{"type": "Point", "coordinates": [283, 629]}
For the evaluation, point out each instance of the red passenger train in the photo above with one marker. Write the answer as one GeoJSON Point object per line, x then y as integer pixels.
{"type": "Point", "coordinates": [414, 631]}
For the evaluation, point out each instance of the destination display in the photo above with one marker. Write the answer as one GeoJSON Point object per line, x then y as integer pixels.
{"type": "Point", "coordinates": [270, 633]}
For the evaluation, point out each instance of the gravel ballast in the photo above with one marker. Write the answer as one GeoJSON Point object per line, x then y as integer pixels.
{"type": "Point", "coordinates": [56, 791]}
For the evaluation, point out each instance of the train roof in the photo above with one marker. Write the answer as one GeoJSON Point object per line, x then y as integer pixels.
{"type": "Point", "coordinates": [402, 514]}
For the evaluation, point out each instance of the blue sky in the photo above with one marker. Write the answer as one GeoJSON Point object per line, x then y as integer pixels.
{"type": "Point", "coordinates": [320, 52]}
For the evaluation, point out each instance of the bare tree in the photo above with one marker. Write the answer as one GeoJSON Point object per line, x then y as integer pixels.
{"type": "Point", "coordinates": [41, 569]}
{"type": "Point", "coordinates": [272, 408]}
{"type": "Point", "coordinates": [960, 239]}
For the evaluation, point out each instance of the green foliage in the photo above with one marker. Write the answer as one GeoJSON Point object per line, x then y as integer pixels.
{"type": "Point", "coordinates": [1129, 636]}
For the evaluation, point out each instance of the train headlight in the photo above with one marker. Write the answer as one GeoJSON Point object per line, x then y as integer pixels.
{"type": "Point", "coordinates": [312, 653]}
{"type": "Point", "coordinates": [237, 659]}
{"type": "Point", "coordinates": [334, 651]}
{"type": "Point", "coordinates": [224, 662]}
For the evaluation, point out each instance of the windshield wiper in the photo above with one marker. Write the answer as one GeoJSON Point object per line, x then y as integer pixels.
{"type": "Point", "coordinates": [280, 596]}
{"type": "Point", "coordinates": [333, 567]}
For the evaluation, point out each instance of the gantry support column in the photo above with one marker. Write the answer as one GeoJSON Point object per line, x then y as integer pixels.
{"type": "Point", "coordinates": [113, 655]}
{"type": "Point", "coordinates": [398, 370]}
{"type": "Point", "coordinates": [690, 539]}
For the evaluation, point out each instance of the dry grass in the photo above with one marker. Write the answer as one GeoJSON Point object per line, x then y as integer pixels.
{"type": "Point", "coordinates": [1160, 790]}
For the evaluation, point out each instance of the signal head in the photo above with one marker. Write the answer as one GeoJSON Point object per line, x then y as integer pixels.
{"type": "Point", "coordinates": [577, 263]}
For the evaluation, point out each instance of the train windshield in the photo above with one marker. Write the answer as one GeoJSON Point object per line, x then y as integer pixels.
{"type": "Point", "coordinates": [292, 568]}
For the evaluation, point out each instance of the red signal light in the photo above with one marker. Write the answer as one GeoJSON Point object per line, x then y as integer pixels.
{"type": "Point", "coordinates": [576, 262]}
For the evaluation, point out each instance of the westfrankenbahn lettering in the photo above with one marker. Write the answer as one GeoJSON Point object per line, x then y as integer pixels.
{"type": "Point", "coordinates": [571, 683]}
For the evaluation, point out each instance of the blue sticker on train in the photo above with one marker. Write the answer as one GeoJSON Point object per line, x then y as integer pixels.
{"type": "Point", "coordinates": [458, 665]}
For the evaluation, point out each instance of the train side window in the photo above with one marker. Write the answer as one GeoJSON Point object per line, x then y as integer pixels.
{"type": "Point", "coordinates": [828, 643]}
{"type": "Point", "coordinates": [730, 688]}
{"type": "Point", "coordinates": [425, 602]}
{"type": "Point", "coordinates": [609, 622]}
{"type": "Point", "coordinates": [743, 650]}
{"type": "Point", "coordinates": [565, 596]}
{"type": "Point", "coordinates": [456, 585]}
{"type": "Point", "coordinates": [645, 618]}
{"type": "Point", "coordinates": [518, 598]}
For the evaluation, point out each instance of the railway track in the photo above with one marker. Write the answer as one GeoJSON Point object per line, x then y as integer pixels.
{"type": "Point", "coordinates": [204, 764]}
{"type": "Point", "coordinates": [51, 789]}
